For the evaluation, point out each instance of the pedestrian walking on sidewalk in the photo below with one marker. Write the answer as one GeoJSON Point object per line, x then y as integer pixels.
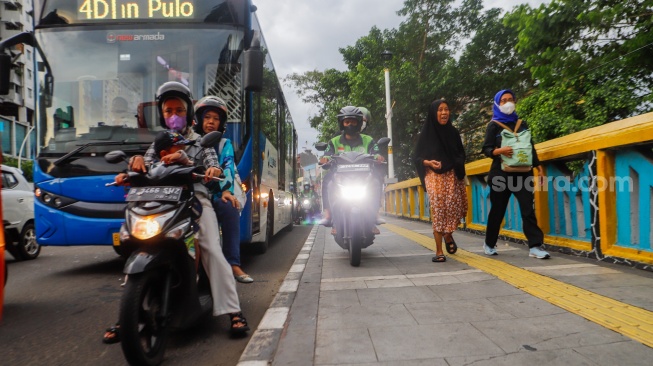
{"type": "Point", "coordinates": [439, 158]}
{"type": "Point", "coordinates": [504, 181]}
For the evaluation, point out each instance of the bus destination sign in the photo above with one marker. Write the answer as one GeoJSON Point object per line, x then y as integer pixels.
{"type": "Point", "coordinates": [98, 10]}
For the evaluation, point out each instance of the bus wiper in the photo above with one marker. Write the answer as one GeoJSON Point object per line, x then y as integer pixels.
{"type": "Point", "coordinates": [68, 157]}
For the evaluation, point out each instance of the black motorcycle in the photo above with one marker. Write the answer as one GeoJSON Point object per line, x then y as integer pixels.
{"type": "Point", "coordinates": [352, 196]}
{"type": "Point", "coordinates": [307, 210]}
{"type": "Point", "coordinates": [164, 291]}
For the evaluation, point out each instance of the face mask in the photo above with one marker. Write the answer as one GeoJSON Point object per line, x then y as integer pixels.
{"type": "Point", "coordinates": [351, 130]}
{"type": "Point", "coordinates": [176, 122]}
{"type": "Point", "coordinates": [507, 108]}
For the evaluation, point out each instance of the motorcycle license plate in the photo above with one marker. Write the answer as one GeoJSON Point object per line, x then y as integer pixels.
{"type": "Point", "coordinates": [354, 168]}
{"type": "Point", "coordinates": [154, 194]}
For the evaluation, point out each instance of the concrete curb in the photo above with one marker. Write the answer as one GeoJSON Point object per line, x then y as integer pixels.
{"type": "Point", "coordinates": [262, 346]}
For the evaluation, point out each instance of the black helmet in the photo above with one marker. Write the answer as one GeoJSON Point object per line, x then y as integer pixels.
{"type": "Point", "coordinates": [367, 117]}
{"type": "Point", "coordinates": [307, 186]}
{"type": "Point", "coordinates": [174, 89]}
{"type": "Point", "coordinates": [206, 103]}
{"type": "Point", "coordinates": [350, 112]}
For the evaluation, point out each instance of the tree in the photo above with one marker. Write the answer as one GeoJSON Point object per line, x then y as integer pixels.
{"type": "Point", "coordinates": [591, 62]}
{"type": "Point", "coordinates": [573, 64]}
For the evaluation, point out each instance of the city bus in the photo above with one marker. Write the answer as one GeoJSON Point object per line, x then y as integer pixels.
{"type": "Point", "coordinates": [100, 63]}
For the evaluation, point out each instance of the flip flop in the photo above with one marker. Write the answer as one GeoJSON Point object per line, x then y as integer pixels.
{"type": "Point", "coordinates": [439, 258]}
{"type": "Point", "coordinates": [112, 335]}
{"type": "Point", "coordinates": [451, 246]}
{"type": "Point", "coordinates": [238, 318]}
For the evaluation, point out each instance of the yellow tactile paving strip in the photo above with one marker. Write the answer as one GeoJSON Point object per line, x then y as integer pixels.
{"type": "Point", "coordinates": [631, 321]}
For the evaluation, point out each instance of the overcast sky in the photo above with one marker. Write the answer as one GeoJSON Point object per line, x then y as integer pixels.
{"type": "Point", "coordinates": [305, 35]}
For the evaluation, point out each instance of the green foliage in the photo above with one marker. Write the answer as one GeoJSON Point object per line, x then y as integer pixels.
{"type": "Point", "coordinates": [27, 166]}
{"type": "Point", "coordinates": [573, 64]}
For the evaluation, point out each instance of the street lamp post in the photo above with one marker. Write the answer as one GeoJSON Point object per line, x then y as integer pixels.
{"type": "Point", "coordinates": [387, 56]}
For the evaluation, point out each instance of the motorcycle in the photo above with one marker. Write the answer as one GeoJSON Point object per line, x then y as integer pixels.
{"type": "Point", "coordinates": [352, 199]}
{"type": "Point", "coordinates": [167, 287]}
{"type": "Point", "coordinates": [306, 212]}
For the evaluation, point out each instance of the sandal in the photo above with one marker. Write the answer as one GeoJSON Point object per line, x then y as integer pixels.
{"type": "Point", "coordinates": [451, 245]}
{"type": "Point", "coordinates": [112, 335]}
{"type": "Point", "coordinates": [236, 319]}
{"type": "Point", "coordinates": [440, 258]}
{"type": "Point", "coordinates": [333, 231]}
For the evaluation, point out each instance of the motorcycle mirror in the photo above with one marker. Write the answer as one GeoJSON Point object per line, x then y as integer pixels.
{"type": "Point", "coordinates": [383, 141]}
{"type": "Point", "coordinates": [211, 139]}
{"type": "Point", "coordinates": [321, 146]}
{"type": "Point", "coordinates": [115, 156]}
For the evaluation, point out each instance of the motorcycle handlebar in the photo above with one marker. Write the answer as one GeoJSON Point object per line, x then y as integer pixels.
{"type": "Point", "coordinates": [219, 179]}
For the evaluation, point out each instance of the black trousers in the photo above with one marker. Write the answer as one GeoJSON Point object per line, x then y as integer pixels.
{"type": "Point", "coordinates": [502, 187]}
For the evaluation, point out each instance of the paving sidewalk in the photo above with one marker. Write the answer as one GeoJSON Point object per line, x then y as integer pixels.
{"type": "Point", "coordinates": [399, 308]}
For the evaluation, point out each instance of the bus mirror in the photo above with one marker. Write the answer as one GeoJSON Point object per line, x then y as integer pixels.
{"type": "Point", "coordinates": [254, 69]}
{"type": "Point", "coordinates": [115, 156]}
{"type": "Point", "coordinates": [48, 90]}
{"type": "Point", "coordinates": [211, 139]}
{"type": "Point", "coordinates": [5, 69]}
{"type": "Point", "coordinates": [321, 146]}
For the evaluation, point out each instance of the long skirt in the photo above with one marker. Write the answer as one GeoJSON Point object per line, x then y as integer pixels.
{"type": "Point", "coordinates": [447, 199]}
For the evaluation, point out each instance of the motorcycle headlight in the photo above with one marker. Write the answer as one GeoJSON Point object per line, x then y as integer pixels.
{"type": "Point", "coordinates": [306, 202]}
{"type": "Point", "coordinates": [145, 227]}
{"type": "Point", "coordinates": [179, 230]}
{"type": "Point", "coordinates": [354, 192]}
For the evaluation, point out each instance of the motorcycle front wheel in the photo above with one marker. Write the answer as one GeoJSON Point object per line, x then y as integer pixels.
{"type": "Point", "coordinates": [355, 233]}
{"type": "Point", "coordinates": [143, 331]}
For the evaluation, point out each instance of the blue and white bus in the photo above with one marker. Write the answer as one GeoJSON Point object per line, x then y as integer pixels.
{"type": "Point", "coordinates": [101, 62]}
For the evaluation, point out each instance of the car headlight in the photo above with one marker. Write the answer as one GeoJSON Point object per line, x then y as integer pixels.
{"type": "Point", "coordinates": [145, 227]}
{"type": "Point", "coordinates": [354, 192]}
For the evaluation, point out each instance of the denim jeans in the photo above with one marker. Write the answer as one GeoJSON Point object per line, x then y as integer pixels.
{"type": "Point", "coordinates": [229, 220]}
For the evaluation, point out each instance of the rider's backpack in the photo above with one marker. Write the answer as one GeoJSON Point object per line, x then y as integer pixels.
{"type": "Point", "coordinates": [522, 149]}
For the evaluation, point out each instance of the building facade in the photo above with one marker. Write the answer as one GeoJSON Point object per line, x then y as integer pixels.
{"type": "Point", "coordinates": [17, 107]}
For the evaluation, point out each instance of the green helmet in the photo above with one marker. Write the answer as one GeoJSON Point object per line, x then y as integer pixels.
{"type": "Point", "coordinates": [367, 117]}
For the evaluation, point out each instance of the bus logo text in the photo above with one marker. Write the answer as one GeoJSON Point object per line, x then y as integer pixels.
{"type": "Point", "coordinates": [112, 38]}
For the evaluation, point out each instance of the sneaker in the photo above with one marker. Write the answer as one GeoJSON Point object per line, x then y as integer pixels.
{"type": "Point", "coordinates": [538, 253]}
{"type": "Point", "coordinates": [489, 251]}
{"type": "Point", "coordinates": [325, 222]}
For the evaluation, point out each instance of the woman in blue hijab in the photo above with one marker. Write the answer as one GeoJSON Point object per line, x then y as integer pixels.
{"type": "Point", "coordinates": [504, 184]}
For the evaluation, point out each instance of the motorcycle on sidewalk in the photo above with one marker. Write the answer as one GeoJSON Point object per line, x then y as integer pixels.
{"type": "Point", "coordinates": [307, 212]}
{"type": "Point", "coordinates": [352, 196]}
{"type": "Point", "coordinates": [167, 287]}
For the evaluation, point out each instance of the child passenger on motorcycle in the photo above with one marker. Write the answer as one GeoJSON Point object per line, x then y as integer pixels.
{"type": "Point", "coordinates": [174, 100]}
{"type": "Point", "coordinates": [169, 146]}
{"type": "Point", "coordinates": [350, 120]}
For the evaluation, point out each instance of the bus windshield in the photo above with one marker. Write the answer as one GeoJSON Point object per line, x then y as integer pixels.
{"type": "Point", "coordinates": [105, 80]}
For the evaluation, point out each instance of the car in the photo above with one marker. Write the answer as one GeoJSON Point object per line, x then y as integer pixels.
{"type": "Point", "coordinates": [18, 214]}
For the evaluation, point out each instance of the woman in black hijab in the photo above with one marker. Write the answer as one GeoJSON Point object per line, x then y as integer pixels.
{"type": "Point", "coordinates": [440, 161]}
